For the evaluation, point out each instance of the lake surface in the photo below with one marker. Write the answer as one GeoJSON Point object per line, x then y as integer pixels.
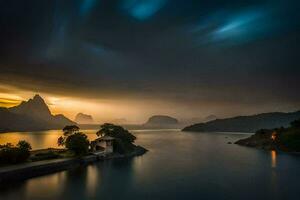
{"type": "Point", "coordinates": [179, 165]}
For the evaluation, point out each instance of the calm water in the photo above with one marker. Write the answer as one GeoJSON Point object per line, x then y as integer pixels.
{"type": "Point", "coordinates": [178, 166]}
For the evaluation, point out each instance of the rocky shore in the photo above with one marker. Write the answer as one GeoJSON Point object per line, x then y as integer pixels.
{"type": "Point", "coordinates": [282, 139]}
{"type": "Point", "coordinates": [258, 140]}
{"type": "Point", "coordinates": [33, 169]}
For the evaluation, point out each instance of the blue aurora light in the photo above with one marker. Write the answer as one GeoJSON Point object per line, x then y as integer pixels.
{"type": "Point", "coordinates": [143, 9]}
{"type": "Point", "coordinates": [86, 6]}
{"type": "Point", "coordinates": [241, 27]}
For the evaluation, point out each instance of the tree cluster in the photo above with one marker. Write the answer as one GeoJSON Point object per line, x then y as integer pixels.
{"type": "Point", "coordinates": [10, 154]}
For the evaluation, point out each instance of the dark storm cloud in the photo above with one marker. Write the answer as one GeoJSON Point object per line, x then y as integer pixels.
{"type": "Point", "coordinates": [190, 52]}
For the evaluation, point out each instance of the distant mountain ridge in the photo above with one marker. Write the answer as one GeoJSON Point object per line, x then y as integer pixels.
{"type": "Point", "coordinates": [250, 123]}
{"type": "Point", "coordinates": [31, 115]}
{"type": "Point", "coordinates": [84, 119]}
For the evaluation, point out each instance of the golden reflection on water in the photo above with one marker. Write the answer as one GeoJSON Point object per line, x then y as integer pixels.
{"type": "Point", "coordinates": [39, 139]}
{"type": "Point", "coordinates": [52, 186]}
{"type": "Point", "coordinates": [92, 180]}
{"type": "Point", "coordinates": [274, 179]}
{"type": "Point", "coordinates": [273, 158]}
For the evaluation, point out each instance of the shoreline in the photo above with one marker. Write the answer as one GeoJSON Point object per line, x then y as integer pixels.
{"type": "Point", "coordinates": [26, 171]}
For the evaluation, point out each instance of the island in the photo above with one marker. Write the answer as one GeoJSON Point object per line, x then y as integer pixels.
{"type": "Point", "coordinates": [18, 162]}
{"type": "Point", "coordinates": [281, 139]}
{"type": "Point", "coordinates": [161, 121]}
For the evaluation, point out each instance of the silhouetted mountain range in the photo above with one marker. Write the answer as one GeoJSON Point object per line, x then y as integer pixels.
{"type": "Point", "coordinates": [31, 115]}
{"type": "Point", "coordinates": [246, 123]}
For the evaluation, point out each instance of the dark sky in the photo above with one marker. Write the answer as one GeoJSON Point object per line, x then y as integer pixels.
{"type": "Point", "coordinates": [222, 57]}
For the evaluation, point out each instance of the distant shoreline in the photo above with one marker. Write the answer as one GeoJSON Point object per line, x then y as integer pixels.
{"type": "Point", "coordinates": [136, 128]}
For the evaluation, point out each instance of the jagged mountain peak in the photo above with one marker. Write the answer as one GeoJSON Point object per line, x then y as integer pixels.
{"type": "Point", "coordinates": [37, 97]}
{"type": "Point", "coordinates": [33, 114]}
{"type": "Point", "coordinates": [35, 107]}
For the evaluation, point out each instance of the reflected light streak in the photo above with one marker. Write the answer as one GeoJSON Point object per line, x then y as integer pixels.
{"type": "Point", "coordinates": [53, 186]}
{"type": "Point", "coordinates": [92, 180]}
{"type": "Point", "coordinates": [273, 157]}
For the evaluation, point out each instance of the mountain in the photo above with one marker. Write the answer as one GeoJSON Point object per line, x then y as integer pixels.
{"type": "Point", "coordinates": [31, 115]}
{"type": "Point", "coordinates": [84, 119]}
{"type": "Point", "coordinates": [161, 121]}
{"type": "Point", "coordinates": [246, 123]}
{"type": "Point", "coordinates": [35, 108]}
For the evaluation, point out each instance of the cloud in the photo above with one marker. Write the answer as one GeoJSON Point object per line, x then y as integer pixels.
{"type": "Point", "coordinates": [193, 55]}
{"type": "Point", "coordinates": [142, 10]}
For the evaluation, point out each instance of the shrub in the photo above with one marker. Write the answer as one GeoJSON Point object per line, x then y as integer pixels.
{"type": "Point", "coordinates": [24, 145]}
{"type": "Point", "coordinates": [10, 154]}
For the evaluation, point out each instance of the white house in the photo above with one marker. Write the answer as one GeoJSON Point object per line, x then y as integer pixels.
{"type": "Point", "coordinates": [104, 144]}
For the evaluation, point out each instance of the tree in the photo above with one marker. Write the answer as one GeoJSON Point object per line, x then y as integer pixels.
{"type": "Point", "coordinates": [69, 130]}
{"type": "Point", "coordinates": [78, 143]}
{"type": "Point", "coordinates": [24, 145]}
{"type": "Point", "coordinates": [123, 138]}
{"type": "Point", "coordinates": [61, 141]}
{"type": "Point", "coordinates": [74, 140]}
{"type": "Point", "coordinates": [10, 154]}
{"type": "Point", "coordinates": [116, 132]}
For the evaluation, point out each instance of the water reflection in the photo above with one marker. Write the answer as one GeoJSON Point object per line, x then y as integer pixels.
{"type": "Point", "coordinates": [178, 166]}
{"type": "Point", "coordinates": [93, 180]}
{"type": "Point", "coordinates": [273, 158]}
{"type": "Point", "coordinates": [53, 186]}
{"type": "Point", "coordinates": [40, 139]}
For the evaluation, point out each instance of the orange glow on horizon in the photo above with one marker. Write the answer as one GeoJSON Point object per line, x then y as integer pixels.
{"type": "Point", "coordinates": [9, 100]}
{"type": "Point", "coordinates": [101, 110]}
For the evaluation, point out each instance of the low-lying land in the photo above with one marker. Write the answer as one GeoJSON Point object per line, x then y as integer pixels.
{"type": "Point", "coordinates": [18, 162]}
{"type": "Point", "coordinates": [282, 139]}
{"type": "Point", "coordinates": [48, 165]}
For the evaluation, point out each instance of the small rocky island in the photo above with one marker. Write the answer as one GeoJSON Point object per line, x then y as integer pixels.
{"type": "Point", "coordinates": [282, 139]}
{"type": "Point", "coordinates": [161, 121]}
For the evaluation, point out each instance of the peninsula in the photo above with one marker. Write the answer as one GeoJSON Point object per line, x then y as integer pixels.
{"type": "Point", "coordinates": [282, 139]}
{"type": "Point", "coordinates": [248, 124]}
{"type": "Point", "coordinates": [19, 163]}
